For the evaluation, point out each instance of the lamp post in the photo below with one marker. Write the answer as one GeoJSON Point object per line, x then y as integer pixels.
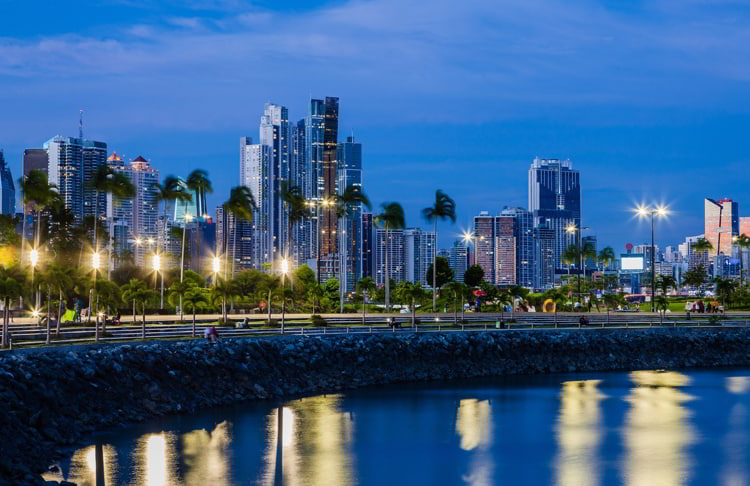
{"type": "Point", "coordinates": [157, 269]}
{"type": "Point", "coordinates": [34, 260]}
{"type": "Point", "coordinates": [572, 229]}
{"type": "Point", "coordinates": [644, 212]}
{"type": "Point", "coordinates": [216, 268]}
{"type": "Point", "coordinates": [96, 262]}
{"type": "Point", "coordinates": [284, 271]}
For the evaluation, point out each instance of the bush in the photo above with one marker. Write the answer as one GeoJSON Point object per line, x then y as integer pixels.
{"type": "Point", "coordinates": [318, 321]}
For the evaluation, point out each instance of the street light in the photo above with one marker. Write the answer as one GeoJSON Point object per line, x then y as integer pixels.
{"type": "Point", "coordinates": [660, 212]}
{"type": "Point", "coordinates": [284, 271]}
{"type": "Point", "coordinates": [34, 260]}
{"type": "Point", "coordinates": [572, 229]}
{"type": "Point", "coordinates": [96, 263]}
{"type": "Point", "coordinates": [216, 265]}
{"type": "Point", "coordinates": [157, 268]}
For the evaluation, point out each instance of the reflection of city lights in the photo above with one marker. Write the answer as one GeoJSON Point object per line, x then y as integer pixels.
{"type": "Point", "coordinates": [579, 432]}
{"type": "Point", "coordinates": [657, 431]}
{"type": "Point", "coordinates": [288, 430]}
{"type": "Point", "coordinates": [82, 469]}
{"type": "Point", "coordinates": [205, 455]}
{"type": "Point", "coordinates": [474, 427]}
{"type": "Point", "coordinates": [156, 460]}
{"type": "Point", "coordinates": [738, 384]}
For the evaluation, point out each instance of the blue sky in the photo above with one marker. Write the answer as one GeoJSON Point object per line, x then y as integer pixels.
{"type": "Point", "coordinates": [650, 100]}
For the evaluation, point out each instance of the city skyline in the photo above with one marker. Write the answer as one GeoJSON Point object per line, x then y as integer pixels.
{"type": "Point", "coordinates": [635, 142]}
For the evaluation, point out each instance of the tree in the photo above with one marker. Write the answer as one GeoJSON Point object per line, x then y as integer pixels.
{"type": "Point", "coordinates": [108, 295]}
{"type": "Point", "coordinates": [12, 281]}
{"type": "Point", "coordinates": [391, 217]}
{"type": "Point", "coordinates": [193, 298]}
{"type": "Point", "coordinates": [315, 293]}
{"type": "Point", "coordinates": [346, 204]}
{"type": "Point", "coordinates": [177, 290]}
{"type": "Point", "coordinates": [39, 194]}
{"type": "Point", "coordinates": [664, 283]}
{"type": "Point", "coordinates": [414, 293]}
{"type": "Point", "coordinates": [240, 204]}
{"type": "Point", "coordinates": [725, 288]}
{"type": "Point", "coordinates": [702, 246]}
{"type": "Point", "coordinates": [743, 242]}
{"type": "Point", "coordinates": [109, 181]}
{"type": "Point", "coordinates": [473, 275]}
{"type": "Point", "coordinates": [606, 256]}
{"type": "Point", "coordinates": [136, 291]}
{"type": "Point", "coordinates": [366, 286]}
{"type": "Point", "coordinates": [8, 235]}
{"type": "Point", "coordinates": [570, 256]}
{"type": "Point", "coordinates": [458, 289]}
{"type": "Point", "coordinates": [444, 272]}
{"type": "Point", "coordinates": [443, 208]}
{"type": "Point", "coordinates": [220, 293]}
{"type": "Point", "coordinates": [168, 191]}
{"type": "Point", "coordinates": [199, 183]}
{"type": "Point", "coordinates": [60, 279]}
{"type": "Point", "coordinates": [297, 210]}
{"type": "Point", "coordinates": [695, 277]}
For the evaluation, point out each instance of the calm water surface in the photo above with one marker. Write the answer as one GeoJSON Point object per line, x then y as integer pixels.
{"type": "Point", "coordinates": [639, 428]}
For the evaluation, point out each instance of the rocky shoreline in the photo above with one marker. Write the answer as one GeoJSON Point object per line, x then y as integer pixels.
{"type": "Point", "coordinates": [53, 398]}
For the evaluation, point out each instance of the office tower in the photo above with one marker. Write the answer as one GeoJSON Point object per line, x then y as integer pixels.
{"type": "Point", "coordinates": [484, 245]}
{"type": "Point", "coordinates": [504, 268]}
{"type": "Point", "coordinates": [233, 242]}
{"type": "Point", "coordinates": [254, 174]}
{"type": "Point", "coordinates": [395, 248]}
{"type": "Point", "coordinates": [367, 255]}
{"type": "Point", "coordinates": [274, 134]}
{"type": "Point", "coordinates": [329, 243]}
{"type": "Point", "coordinates": [694, 257]}
{"type": "Point", "coordinates": [721, 223]}
{"type": "Point", "coordinates": [524, 234]}
{"type": "Point", "coordinates": [545, 257]}
{"type": "Point", "coordinates": [72, 163]}
{"type": "Point", "coordinates": [349, 169]}
{"type": "Point", "coordinates": [141, 213]}
{"type": "Point", "coordinates": [300, 177]}
{"type": "Point", "coordinates": [745, 225]}
{"type": "Point", "coordinates": [458, 257]}
{"type": "Point", "coordinates": [34, 159]}
{"type": "Point", "coordinates": [555, 200]}
{"type": "Point", "coordinates": [7, 189]}
{"type": "Point", "coordinates": [201, 245]}
{"type": "Point", "coordinates": [419, 251]}
{"type": "Point", "coordinates": [314, 133]}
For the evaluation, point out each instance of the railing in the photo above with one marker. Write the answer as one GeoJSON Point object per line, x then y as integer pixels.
{"type": "Point", "coordinates": [25, 334]}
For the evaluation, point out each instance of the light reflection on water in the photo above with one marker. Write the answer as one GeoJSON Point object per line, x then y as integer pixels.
{"type": "Point", "coordinates": [641, 428]}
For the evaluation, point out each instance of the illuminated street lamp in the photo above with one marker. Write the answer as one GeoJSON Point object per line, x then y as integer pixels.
{"type": "Point", "coordinates": [34, 258]}
{"type": "Point", "coordinates": [96, 262]}
{"type": "Point", "coordinates": [284, 271]}
{"type": "Point", "coordinates": [157, 268]}
{"type": "Point", "coordinates": [216, 267]}
{"type": "Point", "coordinates": [34, 261]}
{"type": "Point", "coordinates": [659, 212]}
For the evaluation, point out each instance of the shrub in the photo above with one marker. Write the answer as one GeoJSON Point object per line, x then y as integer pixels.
{"type": "Point", "coordinates": [318, 321]}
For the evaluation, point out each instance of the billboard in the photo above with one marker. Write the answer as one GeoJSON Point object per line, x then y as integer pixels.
{"type": "Point", "coordinates": [633, 263]}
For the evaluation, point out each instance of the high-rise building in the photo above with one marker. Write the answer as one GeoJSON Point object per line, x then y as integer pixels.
{"type": "Point", "coordinates": [504, 268]}
{"type": "Point", "coordinates": [484, 244]}
{"type": "Point", "coordinates": [745, 225]}
{"type": "Point", "coordinates": [313, 178]}
{"type": "Point", "coordinates": [7, 189]}
{"type": "Point", "coordinates": [255, 174]}
{"type": "Point", "coordinates": [394, 246]}
{"type": "Point", "coordinates": [140, 215]}
{"type": "Point", "coordinates": [274, 134]}
{"type": "Point", "coordinates": [300, 177]}
{"type": "Point", "coordinates": [329, 243]}
{"type": "Point", "coordinates": [545, 257]}
{"type": "Point", "coordinates": [72, 163]}
{"type": "Point", "coordinates": [524, 234]}
{"type": "Point", "coordinates": [201, 245]}
{"type": "Point", "coordinates": [458, 258]}
{"type": "Point", "coordinates": [419, 251]}
{"type": "Point", "coordinates": [721, 223]}
{"type": "Point", "coordinates": [368, 257]}
{"type": "Point", "coordinates": [591, 261]}
{"type": "Point", "coordinates": [349, 168]}
{"type": "Point", "coordinates": [555, 200]}
{"type": "Point", "coordinates": [34, 159]}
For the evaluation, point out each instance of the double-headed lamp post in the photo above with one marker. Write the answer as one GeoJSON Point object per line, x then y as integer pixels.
{"type": "Point", "coordinates": [157, 268]}
{"type": "Point", "coordinates": [659, 212]}
{"type": "Point", "coordinates": [284, 271]}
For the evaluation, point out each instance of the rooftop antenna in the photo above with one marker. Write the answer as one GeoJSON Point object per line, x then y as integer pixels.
{"type": "Point", "coordinates": [80, 125]}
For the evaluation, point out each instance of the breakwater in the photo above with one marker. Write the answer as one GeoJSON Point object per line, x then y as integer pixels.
{"type": "Point", "coordinates": [53, 398]}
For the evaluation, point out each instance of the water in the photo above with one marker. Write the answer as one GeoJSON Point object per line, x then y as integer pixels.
{"type": "Point", "coordinates": [640, 428]}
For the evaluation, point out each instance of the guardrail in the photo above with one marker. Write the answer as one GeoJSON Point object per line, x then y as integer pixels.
{"type": "Point", "coordinates": [26, 335]}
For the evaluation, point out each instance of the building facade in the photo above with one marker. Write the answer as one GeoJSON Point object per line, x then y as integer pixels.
{"type": "Point", "coordinates": [721, 223]}
{"type": "Point", "coordinates": [349, 169]}
{"type": "Point", "coordinates": [7, 189]}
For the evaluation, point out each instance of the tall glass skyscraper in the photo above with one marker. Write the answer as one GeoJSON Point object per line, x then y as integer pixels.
{"type": "Point", "coordinates": [721, 223]}
{"type": "Point", "coordinates": [255, 174]}
{"type": "Point", "coordinates": [555, 200]}
{"type": "Point", "coordinates": [7, 189]}
{"type": "Point", "coordinates": [349, 169]}
{"type": "Point", "coordinates": [524, 233]}
{"type": "Point", "coordinates": [72, 163]}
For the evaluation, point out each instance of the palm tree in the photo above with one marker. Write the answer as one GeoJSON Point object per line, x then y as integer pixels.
{"type": "Point", "coordinates": [220, 292]}
{"type": "Point", "coordinates": [136, 291]}
{"type": "Point", "coordinates": [241, 204]}
{"type": "Point", "coordinates": [39, 194]}
{"type": "Point", "coordinates": [195, 298]}
{"type": "Point", "coordinates": [570, 256]}
{"type": "Point", "coordinates": [443, 208]}
{"type": "Point", "coordinates": [606, 256]}
{"type": "Point", "coordinates": [169, 190]}
{"type": "Point", "coordinates": [199, 183]}
{"type": "Point", "coordinates": [391, 217]}
{"type": "Point", "coordinates": [109, 181]}
{"type": "Point", "coordinates": [270, 285]}
{"type": "Point", "coordinates": [366, 286]}
{"type": "Point", "coordinates": [178, 289]}
{"type": "Point", "coordinates": [296, 209]}
{"type": "Point", "coordinates": [59, 278]}
{"type": "Point", "coordinates": [12, 280]}
{"type": "Point", "coordinates": [458, 288]}
{"type": "Point", "coordinates": [414, 293]}
{"type": "Point", "coordinates": [346, 204]}
{"type": "Point", "coordinates": [725, 287]}
{"type": "Point", "coordinates": [703, 246]}
{"type": "Point", "coordinates": [315, 293]}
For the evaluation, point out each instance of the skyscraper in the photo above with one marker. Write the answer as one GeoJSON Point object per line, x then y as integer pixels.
{"type": "Point", "coordinates": [504, 268]}
{"type": "Point", "coordinates": [484, 244]}
{"type": "Point", "coordinates": [255, 174]}
{"type": "Point", "coordinates": [367, 254]}
{"type": "Point", "coordinates": [349, 169]}
{"type": "Point", "coordinates": [524, 234]}
{"type": "Point", "coordinates": [555, 200]}
{"type": "Point", "coordinates": [34, 159]}
{"type": "Point", "coordinates": [7, 189]}
{"type": "Point", "coordinates": [544, 256]}
{"type": "Point", "coordinates": [458, 259]}
{"type": "Point", "coordinates": [329, 243]}
{"type": "Point", "coordinates": [419, 251]}
{"type": "Point", "coordinates": [721, 223]}
{"type": "Point", "coordinates": [141, 213]}
{"type": "Point", "coordinates": [395, 248]}
{"type": "Point", "coordinates": [72, 163]}
{"type": "Point", "coordinates": [274, 134]}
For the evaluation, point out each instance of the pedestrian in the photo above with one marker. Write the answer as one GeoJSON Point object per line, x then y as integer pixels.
{"type": "Point", "coordinates": [77, 309]}
{"type": "Point", "coordinates": [214, 335]}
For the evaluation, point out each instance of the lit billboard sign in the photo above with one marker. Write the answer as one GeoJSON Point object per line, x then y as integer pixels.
{"type": "Point", "coordinates": [631, 262]}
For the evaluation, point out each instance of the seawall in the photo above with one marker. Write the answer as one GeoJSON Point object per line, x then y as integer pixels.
{"type": "Point", "coordinates": [52, 398]}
